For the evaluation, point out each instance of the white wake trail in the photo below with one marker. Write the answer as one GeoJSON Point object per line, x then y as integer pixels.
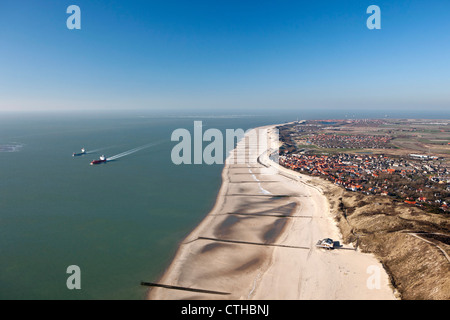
{"type": "Point", "coordinates": [126, 153]}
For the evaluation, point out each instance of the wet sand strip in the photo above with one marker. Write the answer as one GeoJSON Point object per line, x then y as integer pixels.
{"type": "Point", "coordinates": [253, 181]}
{"type": "Point", "coordinates": [264, 195]}
{"type": "Point", "coordinates": [234, 166]}
{"type": "Point", "coordinates": [264, 215]}
{"type": "Point", "coordinates": [288, 176]}
{"type": "Point", "coordinates": [253, 243]}
{"type": "Point", "coordinates": [248, 173]}
{"type": "Point", "coordinates": [151, 284]}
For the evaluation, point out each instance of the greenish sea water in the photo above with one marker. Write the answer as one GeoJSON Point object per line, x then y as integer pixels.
{"type": "Point", "coordinates": [120, 222]}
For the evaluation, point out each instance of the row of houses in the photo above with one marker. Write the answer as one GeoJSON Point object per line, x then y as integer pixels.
{"type": "Point", "coordinates": [350, 141]}
{"type": "Point", "coordinates": [415, 182]}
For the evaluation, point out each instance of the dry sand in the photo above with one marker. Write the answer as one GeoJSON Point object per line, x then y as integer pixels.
{"type": "Point", "coordinates": [259, 240]}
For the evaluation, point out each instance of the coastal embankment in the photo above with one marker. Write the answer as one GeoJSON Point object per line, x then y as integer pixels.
{"type": "Point", "coordinates": [259, 241]}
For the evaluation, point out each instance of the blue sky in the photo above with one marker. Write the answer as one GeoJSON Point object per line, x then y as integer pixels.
{"type": "Point", "coordinates": [224, 55]}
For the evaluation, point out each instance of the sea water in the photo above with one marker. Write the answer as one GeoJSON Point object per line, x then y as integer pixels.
{"type": "Point", "coordinates": [119, 222]}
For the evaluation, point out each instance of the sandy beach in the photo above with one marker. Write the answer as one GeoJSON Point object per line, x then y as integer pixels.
{"type": "Point", "coordinates": [258, 242]}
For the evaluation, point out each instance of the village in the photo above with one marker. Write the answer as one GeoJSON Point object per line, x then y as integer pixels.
{"type": "Point", "coordinates": [414, 179]}
{"type": "Point", "coordinates": [350, 141]}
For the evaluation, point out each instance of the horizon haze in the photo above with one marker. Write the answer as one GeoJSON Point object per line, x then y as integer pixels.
{"type": "Point", "coordinates": [177, 55]}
